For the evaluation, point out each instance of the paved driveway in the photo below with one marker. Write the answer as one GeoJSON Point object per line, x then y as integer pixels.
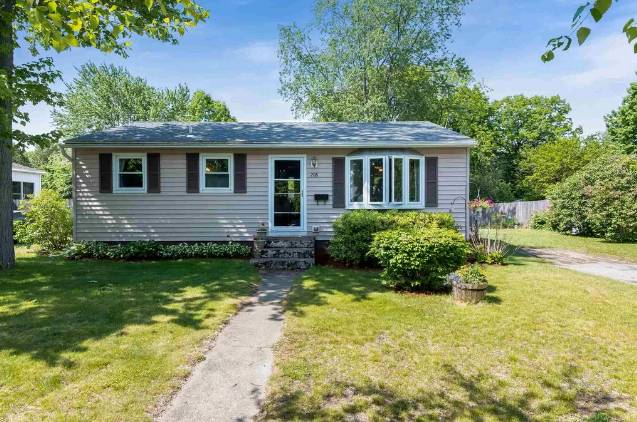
{"type": "Point", "coordinates": [605, 267]}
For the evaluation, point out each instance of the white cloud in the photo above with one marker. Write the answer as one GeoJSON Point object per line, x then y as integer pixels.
{"type": "Point", "coordinates": [607, 59]}
{"type": "Point", "coordinates": [264, 52]}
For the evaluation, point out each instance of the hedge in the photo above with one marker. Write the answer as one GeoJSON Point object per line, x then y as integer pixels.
{"type": "Point", "coordinates": [141, 250]}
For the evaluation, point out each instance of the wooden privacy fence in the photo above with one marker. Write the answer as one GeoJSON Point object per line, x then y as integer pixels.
{"type": "Point", "coordinates": [518, 212]}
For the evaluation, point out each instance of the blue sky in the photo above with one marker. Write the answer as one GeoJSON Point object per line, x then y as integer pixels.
{"type": "Point", "coordinates": [233, 56]}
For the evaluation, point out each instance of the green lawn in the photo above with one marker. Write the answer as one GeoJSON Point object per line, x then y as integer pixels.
{"type": "Point", "coordinates": [107, 340]}
{"type": "Point", "coordinates": [547, 344]}
{"type": "Point", "coordinates": [589, 245]}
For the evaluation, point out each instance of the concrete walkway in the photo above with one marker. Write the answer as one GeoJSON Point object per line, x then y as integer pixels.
{"type": "Point", "coordinates": [230, 384]}
{"type": "Point", "coordinates": [605, 267]}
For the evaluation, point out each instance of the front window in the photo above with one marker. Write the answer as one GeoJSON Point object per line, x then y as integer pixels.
{"type": "Point", "coordinates": [376, 180]}
{"type": "Point", "coordinates": [17, 190]}
{"type": "Point", "coordinates": [414, 179]}
{"type": "Point", "coordinates": [215, 172]}
{"type": "Point", "coordinates": [384, 181]}
{"type": "Point", "coordinates": [129, 172]}
{"type": "Point", "coordinates": [27, 189]}
{"type": "Point", "coordinates": [356, 181]}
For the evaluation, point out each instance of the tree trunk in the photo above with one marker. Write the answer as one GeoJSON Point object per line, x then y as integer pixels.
{"type": "Point", "coordinates": [7, 255]}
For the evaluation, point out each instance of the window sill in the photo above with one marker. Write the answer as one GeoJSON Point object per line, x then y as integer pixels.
{"type": "Point", "coordinates": [127, 191]}
{"type": "Point", "coordinates": [216, 190]}
{"type": "Point", "coordinates": [385, 206]}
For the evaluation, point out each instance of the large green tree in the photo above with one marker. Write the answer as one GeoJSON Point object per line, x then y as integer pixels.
{"type": "Point", "coordinates": [520, 123]}
{"type": "Point", "coordinates": [622, 123]}
{"type": "Point", "coordinates": [106, 96]}
{"type": "Point", "coordinates": [107, 25]}
{"type": "Point", "coordinates": [370, 60]}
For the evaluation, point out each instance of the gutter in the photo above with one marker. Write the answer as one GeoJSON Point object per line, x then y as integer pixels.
{"type": "Point", "coordinates": [260, 146]}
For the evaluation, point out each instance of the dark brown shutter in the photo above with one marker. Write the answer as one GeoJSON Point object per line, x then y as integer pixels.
{"type": "Point", "coordinates": [338, 182]}
{"type": "Point", "coordinates": [240, 173]}
{"type": "Point", "coordinates": [106, 173]}
{"type": "Point", "coordinates": [154, 176]}
{"type": "Point", "coordinates": [192, 173]}
{"type": "Point", "coordinates": [431, 182]}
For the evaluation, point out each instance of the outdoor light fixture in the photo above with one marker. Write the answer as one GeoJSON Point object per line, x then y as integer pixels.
{"type": "Point", "coordinates": [314, 162]}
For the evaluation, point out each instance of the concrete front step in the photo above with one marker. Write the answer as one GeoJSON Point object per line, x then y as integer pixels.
{"type": "Point", "coordinates": [286, 253]}
{"type": "Point", "coordinates": [289, 242]}
{"type": "Point", "coordinates": [283, 263]}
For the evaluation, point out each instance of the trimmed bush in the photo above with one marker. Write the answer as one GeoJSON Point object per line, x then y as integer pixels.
{"type": "Point", "coordinates": [418, 259]}
{"type": "Point", "coordinates": [600, 200]}
{"type": "Point", "coordinates": [354, 231]}
{"type": "Point", "coordinates": [47, 222]}
{"type": "Point", "coordinates": [141, 250]}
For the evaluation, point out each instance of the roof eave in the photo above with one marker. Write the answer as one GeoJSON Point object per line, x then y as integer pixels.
{"type": "Point", "coordinates": [455, 144]}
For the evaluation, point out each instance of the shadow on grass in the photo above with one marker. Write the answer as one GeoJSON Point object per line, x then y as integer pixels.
{"type": "Point", "coordinates": [320, 282]}
{"type": "Point", "coordinates": [457, 396]}
{"type": "Point", "coordinates": [49, 306]}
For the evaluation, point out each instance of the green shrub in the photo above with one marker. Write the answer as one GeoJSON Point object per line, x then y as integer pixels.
{"type": "Point", "coordinates": [472, 274]}
{"type": "Point", "coordinates": [354, 231]}
{"type": "Point", "coordinates": [141, 250]}
{"type": "Point", "coordinates": [599, 200]}
{"type": "Point", "coordinates": [539, 221]}
{"type": "Point", "coordinates": [418, 259]}
{"type": "Point", "coordinates": [47, 222]}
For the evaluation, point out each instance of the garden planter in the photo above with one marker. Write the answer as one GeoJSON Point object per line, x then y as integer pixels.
{"type": "Point", "coordinates": [469, 293]}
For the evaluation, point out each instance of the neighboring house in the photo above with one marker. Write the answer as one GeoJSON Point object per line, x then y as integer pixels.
{"type": "Point", "coordinates": [26, 181]}
{"type": "Point", "coordinates": [222, 181]}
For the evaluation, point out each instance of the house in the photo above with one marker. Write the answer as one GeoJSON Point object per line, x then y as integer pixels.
{"type": "Point", "coordinates": [222, 181]}
{"type": "Point", "coordinates": [26, 181]}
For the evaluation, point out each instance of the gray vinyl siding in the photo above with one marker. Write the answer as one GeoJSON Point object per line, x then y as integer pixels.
{"type": "Point", "coordinates": [174, 215]}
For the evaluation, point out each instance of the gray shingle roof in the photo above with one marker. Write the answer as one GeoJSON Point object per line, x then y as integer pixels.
{"type": "Point", "coordinates": [20, 167]}
{"type": "Point", "coordinates": [275, 134]}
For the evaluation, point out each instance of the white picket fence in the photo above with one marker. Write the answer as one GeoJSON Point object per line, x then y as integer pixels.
{"type": "Point", "coordinates": [519, 212]}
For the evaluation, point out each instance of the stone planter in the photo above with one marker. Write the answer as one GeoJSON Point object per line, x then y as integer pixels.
{"type": "Point", "coordinates": [468, 293]}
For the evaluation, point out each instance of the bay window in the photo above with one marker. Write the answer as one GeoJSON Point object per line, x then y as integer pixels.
{"type": "Point", "coordinates": [388, 180]}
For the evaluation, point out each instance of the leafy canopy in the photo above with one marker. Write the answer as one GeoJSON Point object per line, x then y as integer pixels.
{"type": "Point", "coordinates": [106, 96]}
{"type": "Point", "coordinates": [591, 9]}
{"type": "Point", "coordinates": [374, 60]}
{"type": "Point", "coordinates": [622, 123]}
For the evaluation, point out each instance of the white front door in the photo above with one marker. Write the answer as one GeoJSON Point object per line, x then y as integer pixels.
{"type": "Point", "coordinates": [287, 193]}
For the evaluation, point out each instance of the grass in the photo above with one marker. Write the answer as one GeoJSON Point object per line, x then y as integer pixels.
{"type": "Point", "coordinates": [547, 344]}
{"type": "Point", "coordinates": [547, 239]}
{"type": "Point", "coordinates": [107, 340]}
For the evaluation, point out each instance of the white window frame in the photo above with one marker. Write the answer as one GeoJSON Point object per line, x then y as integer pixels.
{"type": "Point", "coordinates": [393, 166]}
{"type": "Point", "coordinates": [202, 173]}
{"type": "Point", "coordinates": [116, 187]}
{"type": "Point", "coordinates": [388, 202]}
{"type": "Point", "coordinates": [421, 202]}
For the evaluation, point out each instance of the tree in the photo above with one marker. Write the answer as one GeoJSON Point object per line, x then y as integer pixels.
{"type": "Point", "coordinates": [106, 96]}
{"type": "Point", "coordinates": [554, 161]}
{"type": "Point", "coordinates": [520, 123]}
{"type": "Point", "coordinates": [58, 176]}
{"type": "Point", "coordinates": [106, 25]}
{"type": "Point", "coordinates": [203, 108]}
{"type": "Point", "coordinates": [622, 123]}
{"type": "Point", "coordinates": [376, 60]}
{"type": "Point", "coordinates": [596, 9]}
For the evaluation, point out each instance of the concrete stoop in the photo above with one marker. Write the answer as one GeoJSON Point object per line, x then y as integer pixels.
{"type": "Point", "coordinates": [284, 253]}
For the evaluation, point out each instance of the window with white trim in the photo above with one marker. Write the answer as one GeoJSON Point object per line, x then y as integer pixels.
{"type": "Point", "coordinates": [129, 173]}
{"type": "Point", "coordinates": [216, 172]}
{"type": "Point", "coordinates": [385, 181]}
